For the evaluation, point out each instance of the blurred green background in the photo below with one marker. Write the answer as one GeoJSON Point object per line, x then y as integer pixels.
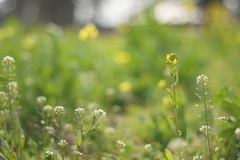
{"type": "Point", "coordinates": [122, 70]}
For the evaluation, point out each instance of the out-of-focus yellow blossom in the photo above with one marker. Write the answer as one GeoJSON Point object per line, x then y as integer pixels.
{"type": "Point", "coordinates": [165, 101]}
{"type": "Point", "coordinates": [122, 57]}
{"type": "Point", "coordinates": [89, 31]}
{"type": "Point", "coordinates": [29, 41]}
{"type": "Point", "coordinates": [172, 58]}
{"type": "Point", "coordinates": [162, 83]}
{"type": "Point", "coordinates": [6, 32]}
{"type": "Point", "coordinates": [125, 86]}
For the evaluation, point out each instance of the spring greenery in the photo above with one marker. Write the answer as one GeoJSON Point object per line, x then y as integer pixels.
{"type": "Point", "coordinates": [83, 94]}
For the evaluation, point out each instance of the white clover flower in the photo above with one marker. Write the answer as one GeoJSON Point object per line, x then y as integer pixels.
{"type": "Point", "coordinates": [222, 119]}
{"type": "Point", "coordinates": [197, 157]}
{"type": "Point", "coordinates": [99, 113]}
{"type": "Point", "coordinates": [205, 129]}
{"type": "Point", "coordinates": [62, 143]}
{"type": "Point", "coordinates": [41, 100]}
{"type": "Point", "coordinates": [79, 111]}
{"type": "Point", "coordinates": [59, 110]}
{"type": "Point", "coordinates": [121, 144]}
{"type": "Point", "coordinates": [237, 133]}
{"type": "Point", "coordinates": [8, 61]}
{"type": "Point", "coordinates": [78, 153]}
{"type": "Point", "coordinates": [148, 146]}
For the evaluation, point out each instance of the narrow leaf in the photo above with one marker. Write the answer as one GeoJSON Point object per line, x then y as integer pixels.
{"type": "Point", "coordinates": [168, 155]}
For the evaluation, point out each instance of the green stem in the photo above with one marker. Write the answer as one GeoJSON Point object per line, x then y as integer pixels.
{"type": "Point", "coordinates": [206, 115]}
{"type": "Point", "coordinates": [175, 104]}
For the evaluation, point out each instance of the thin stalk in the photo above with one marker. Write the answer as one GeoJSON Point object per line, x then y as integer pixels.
{"type": "Point", "coordinates": [60, 127]}
{"type": "Point", "coordinates": [206, 113]}
{"type": "Point", "coordinates": [9, 99]}
{"type": "Point", "coordinates": [175, 103]}
{"type": "Point", "coordinates": [12, 124]}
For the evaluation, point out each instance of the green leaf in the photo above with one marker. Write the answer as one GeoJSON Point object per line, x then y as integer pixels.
{"type": "Point", "coordinates": [79, 138]}
{"type": "Point", "coordinates": [170, 120]}
{"type": "Point", "coordinates": [5, 147]}
{"type": "Point", "coordinates": [2, 156]}
{"type": "Point", "coordinates": [168, 154]}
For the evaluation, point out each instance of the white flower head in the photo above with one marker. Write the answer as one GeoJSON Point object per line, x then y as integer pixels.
{"type": "Point", "coordinates": [78, 153]}
{"type": "Point", "coordinates": [49, 153]}
{"type": "Point", "coordinates": [62, 143]}
{"type": "Point", "coordinates": [121, 144]}
{"type": "Point", "coordinates": [13, 86]}
{"type": "Point", "coordinates": [59, 110]}
{"type": "Point", "coordinates": [202, 79]}
{"type": "Point", "coordinates": [222, 119]}
{"type": "Point", "coordinates": [41, 100]}
{"type": "Point", "coordinates": [79, 111]}
{"type": "Point", "coordinates": [99, 113]}
{"type": "Point", "coordinates": [205, 129]}
{"type": "Point", "coordinates": [148, 146]}
{"type": "Point", "coordinates": [47, 108]}
{"type": "Point", "coordinates": [237, 133]}
{"type": "Point", "coordinates": [8, 61]}
{"type": "Point", "coordinates": [197, 157]}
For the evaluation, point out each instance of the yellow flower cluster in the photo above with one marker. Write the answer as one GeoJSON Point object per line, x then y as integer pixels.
{"type": "Point", "coordinates": [89, 31]}
{"type": "Point", "coordinates": [172, 58]}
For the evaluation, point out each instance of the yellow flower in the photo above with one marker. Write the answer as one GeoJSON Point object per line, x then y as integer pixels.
{"type": "Point", "coordinates": [29, 41]}
{"type": "Point", "coordinates": [162, 83]}
{"type": "Point", "coordinates": [89, 31]}
{"type": "Point", "coordinates": [172, 58]}
{"type": "Point", "coordinates": [6, 32]}
{"type": "Point", "coordinates": [125, 86]}
{"type": "Point", "coordinates": [122, 57]}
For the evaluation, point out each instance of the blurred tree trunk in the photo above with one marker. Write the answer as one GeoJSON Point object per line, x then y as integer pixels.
{"type": "Point", "coordinates": [57, 11]}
